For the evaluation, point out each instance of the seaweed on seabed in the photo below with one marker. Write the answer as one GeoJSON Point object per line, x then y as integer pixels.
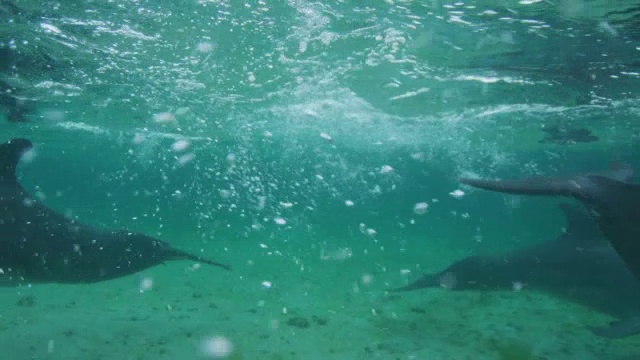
{"type": "Point", "coordinates": [513, 349]}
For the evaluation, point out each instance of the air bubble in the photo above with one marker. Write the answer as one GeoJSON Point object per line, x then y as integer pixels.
{"type": "Point", "coordinates": [217, 347]}
{"type": "Point", "coordinates": [420, 208]}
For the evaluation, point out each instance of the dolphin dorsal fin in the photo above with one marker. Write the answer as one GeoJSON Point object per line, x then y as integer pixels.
{"type": "Point", "coordinates": [619, 171]}
{"type": "Point", "coordinates": [10, 154]}
{"type": "Point", "coordinates": [623, 171]}
{"type": "Point", "coordinates": [578, 223]}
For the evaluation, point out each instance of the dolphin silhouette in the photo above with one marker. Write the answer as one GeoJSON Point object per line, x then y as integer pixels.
{"type": "Point", "coordinates": [579, 265]}
{"type": "Point", "coordinates": [39, 245]}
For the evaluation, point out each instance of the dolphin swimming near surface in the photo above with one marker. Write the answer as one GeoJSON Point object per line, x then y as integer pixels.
{"type": "Point", "coordinates": [579, 265]}
{"type": "Point", "coordinates": [39, 245]}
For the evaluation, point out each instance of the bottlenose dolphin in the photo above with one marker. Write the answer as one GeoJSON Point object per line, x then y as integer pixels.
{"type": "Point", "coordinates": [39, 245]}
{"type": "Point", "coordinates": [579, 265]}
{"type": "Point", "coordinates": [612, 199]}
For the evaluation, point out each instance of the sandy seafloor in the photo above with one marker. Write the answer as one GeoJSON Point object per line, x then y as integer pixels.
{"type": "Point", "coordinates": [315, 309]}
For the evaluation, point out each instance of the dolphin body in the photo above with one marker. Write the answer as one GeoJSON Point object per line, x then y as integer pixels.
{"type": "Point", "coordinates": [612, 200]}
{"type": "Point", "coordinates": [39, 245]}
{"type": "Point", "coordinates": [579, 265]}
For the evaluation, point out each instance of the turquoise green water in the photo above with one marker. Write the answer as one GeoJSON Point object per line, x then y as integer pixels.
{"type": "Point", "coordinates": [205, 123]}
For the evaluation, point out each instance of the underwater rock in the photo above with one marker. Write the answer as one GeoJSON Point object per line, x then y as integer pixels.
{"type": "Point", "coordinates": [299, 322]}
{"type": "Point", "coordinates": [319, 320]}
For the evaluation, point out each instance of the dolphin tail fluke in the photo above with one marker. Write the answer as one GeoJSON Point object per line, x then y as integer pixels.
{"type": "Point", "coordinates": [530, 186]}
{"type": "Point", "coordinates": [426, 281]}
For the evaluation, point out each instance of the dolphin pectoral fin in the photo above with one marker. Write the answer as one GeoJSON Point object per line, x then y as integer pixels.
{"type": "Point", "coordinates": [176, 254]}
{"type": "Point", "coordinates": [210, 262]}
{"type": "Point", "coordinates": [619, 329]}
{"type": "Point", "coordinates": [529, 186]}
{"type": "Point", "coordinates": [168, 253]}
{"type": "Point", "coordinates": [426, 281]}
{"type": "Point", "coordinates": [579, 224]}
